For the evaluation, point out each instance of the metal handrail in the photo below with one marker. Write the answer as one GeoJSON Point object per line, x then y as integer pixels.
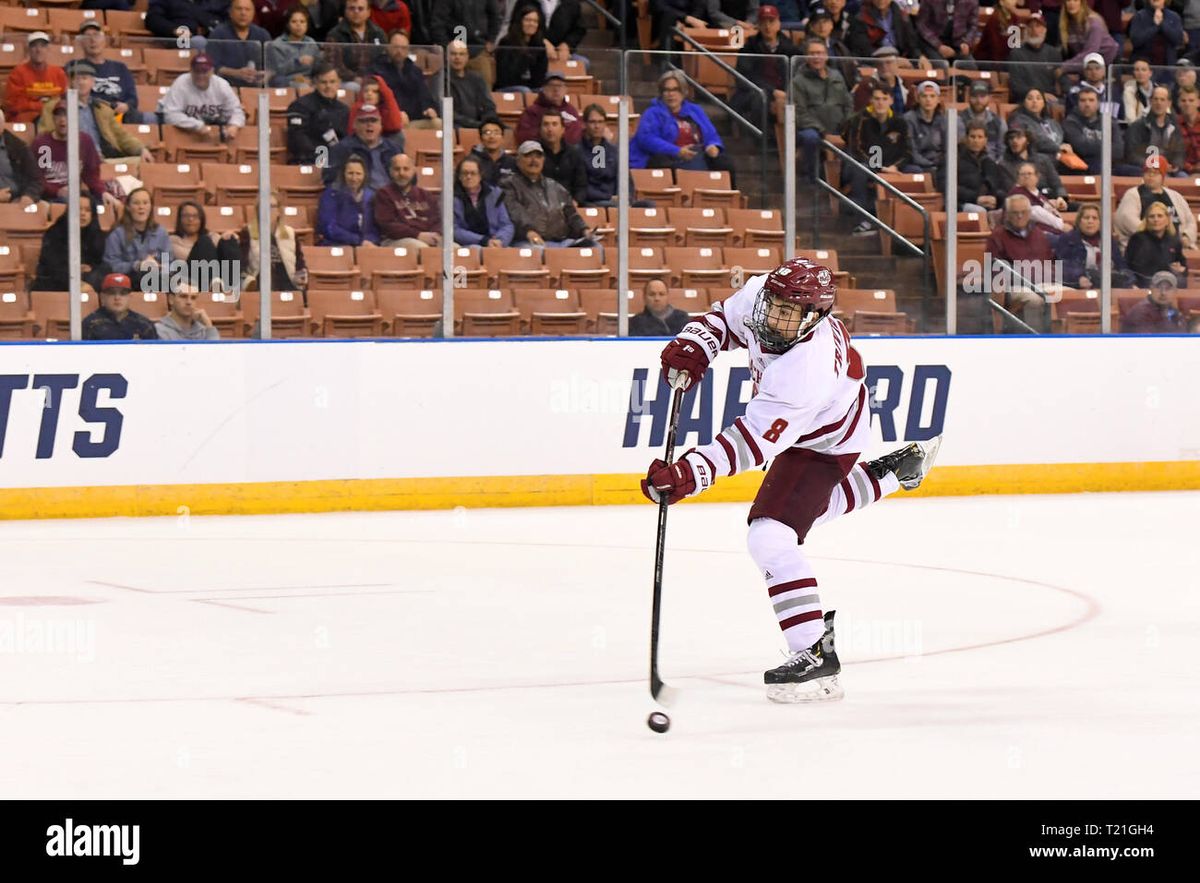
{"type": "Point", "coordinates": [1028, 283]}
{"type": "Point", "coordinates": [846, 200]}
{"type": "Point", "coordinates": [764, 113]}
{"type": "Point", "coordinates": [721, 64]}
{"type": "Point", "coordinates": [622, 38]}
{"type": "Point", "coordinates": [612, 19]}
{"type": "Point", "coordinates": [927, 252]}
{"type": "Point", "coordinates": [1010, 316]}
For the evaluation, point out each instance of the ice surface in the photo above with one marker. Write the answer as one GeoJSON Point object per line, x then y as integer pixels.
{"type": "Point", "coordinates": [993, 647]}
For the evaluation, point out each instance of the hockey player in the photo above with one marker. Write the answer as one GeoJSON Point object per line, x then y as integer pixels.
{"type": "Point", "coordinates": [808, 414]}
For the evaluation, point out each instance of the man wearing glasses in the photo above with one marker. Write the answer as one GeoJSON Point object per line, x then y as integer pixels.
{"type": "Point", "coordinates": [185, 319]}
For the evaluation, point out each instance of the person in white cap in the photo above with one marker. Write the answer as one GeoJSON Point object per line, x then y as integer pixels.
{"type": "Point", "coordinates": [1157, 34]}
{"type": "Point", "coordinates": [541, 209]}
{"type": "Point", "coordinates": [33, 82]}
{"type": "Point", "coordinates": [1094, 79]}
{"type": "Point", "coordinates": [927, 134]}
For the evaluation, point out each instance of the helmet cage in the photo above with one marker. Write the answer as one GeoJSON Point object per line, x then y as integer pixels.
{"type": "Point", "coordinates": [780, 336]}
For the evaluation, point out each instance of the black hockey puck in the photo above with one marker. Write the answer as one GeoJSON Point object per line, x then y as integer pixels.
{"type": "Point", "coordinates": [658, 722]}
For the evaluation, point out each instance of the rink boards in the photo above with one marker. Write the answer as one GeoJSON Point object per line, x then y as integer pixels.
{"type": "Point", "coordinates": [165, 429]}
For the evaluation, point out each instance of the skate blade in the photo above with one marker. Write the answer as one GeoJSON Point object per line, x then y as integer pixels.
{"type": "Point", "coordinates": [820, 690]}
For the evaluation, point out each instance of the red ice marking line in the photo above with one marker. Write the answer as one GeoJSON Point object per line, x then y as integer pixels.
{"type": "Point", "coordinates": [1092, 611]}
{"type": "Point", "coordinates": [230, 605]}
{"type": "Point", "coordinates": [273, 706]}
{"type": "Point", "coordinates": [45, 601]}
{"type": "Point", "coordinates": [110, 585]}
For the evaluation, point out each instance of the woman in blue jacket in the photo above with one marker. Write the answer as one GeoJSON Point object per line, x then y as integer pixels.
{"type": "Point", "coordinates": [345, 215]}
{"type": "Point", "coordinates": [480, 217]}
{"type": "Point", "coordinates": [676, 133]}
{"type": "Point", "coordinates": [1079, 253]}
{"type": "Point", "coordinates": [138, 244]}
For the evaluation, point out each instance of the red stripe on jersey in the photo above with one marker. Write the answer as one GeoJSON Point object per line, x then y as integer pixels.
{"type": "Point", "coordinates": [720, 329]}
{"type": "Point", "coordinates": [834, 427]}
{"type": "Point", "coordinates": [758, 457]}
{"type": "Point", "coordinates": [712, 467]}
{"type": "Point", "coordinates": [848, 493]}
{"type": "Point", "coordinates": [841, 332]}
{"type": "Point", "coordinates": [726, 336]}
{"type": "Point", "coordinates": [729, 453]}
{"type": "Point", "coordinates": [807, 583]}
{"type": "Point", "coordinates": [874, 484]}
{"type": "Point", "coordinates": [786, 624]}
{"type": "Point", "coordinates": [862, 397]}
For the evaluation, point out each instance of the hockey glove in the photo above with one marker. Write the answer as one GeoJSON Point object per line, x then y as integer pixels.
{"type": "Point", "coordinates": [686, 477]}
{"type": "Point", "coordinates": [690, 352]}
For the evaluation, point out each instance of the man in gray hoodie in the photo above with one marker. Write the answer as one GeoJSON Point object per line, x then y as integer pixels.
{"type": "Point", "coordinates": [927, 134]}
{"type": "Point", "coordinates": [185, 319]}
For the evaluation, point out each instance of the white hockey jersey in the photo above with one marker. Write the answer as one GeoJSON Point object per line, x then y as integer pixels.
{"type": "Point", "coordinates": [813, 396]}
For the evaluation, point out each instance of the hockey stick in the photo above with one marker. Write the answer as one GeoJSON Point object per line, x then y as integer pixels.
{"type": "Point", "coordinates": [660, 691]}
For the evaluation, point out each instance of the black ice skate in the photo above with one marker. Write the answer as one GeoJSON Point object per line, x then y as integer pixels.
{"type": "Point", "coordinates": [808, 675]}
{"type": "Point", "coordinates": [910, 464]}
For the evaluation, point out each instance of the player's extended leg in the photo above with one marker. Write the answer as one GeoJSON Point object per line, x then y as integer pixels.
{"type": "Point", "coordinates": [873, 480]}
{"type": "Point", "coordinates": [804, 488]}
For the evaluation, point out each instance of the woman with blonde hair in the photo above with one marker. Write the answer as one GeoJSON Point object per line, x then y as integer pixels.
{"type": "Point", "coordinates": [1082, 32]}
{"type": "Point", "coordinates": [1156, 247]}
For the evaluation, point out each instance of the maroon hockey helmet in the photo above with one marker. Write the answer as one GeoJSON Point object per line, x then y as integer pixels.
{"type": "Point", "coordinates": [795, 297]}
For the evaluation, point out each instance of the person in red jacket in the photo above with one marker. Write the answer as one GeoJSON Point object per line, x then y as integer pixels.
{"type": "Point", "coordinates": [1027, 250]}
{"type": "Point", "coordinates": [376, 93]}
{"type": "Point", "coordinates": [997, 37]}
{"type": "Point", "coordinates": [33, 82]}
{"type": "Point", "coordinates": [50, 151]}
{"type": "Point", "coordinates": [391, 15]}
{"type": "Point", "coordinates": [553, 94]}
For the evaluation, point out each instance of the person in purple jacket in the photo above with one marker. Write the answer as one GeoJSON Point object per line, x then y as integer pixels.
{"type": "Point", "coordinates": [949, 31]}
{"type": "Point", "coordinates": [480, 217]}
{"type": "Point", "coordinates": [676, 133]}
{"type": "Point", "coordinates": [1083, 32]}
{"type": "Point", "coordinates": [345, 215]}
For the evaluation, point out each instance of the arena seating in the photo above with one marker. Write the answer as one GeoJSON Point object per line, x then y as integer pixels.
{"type": "Point", "coordinates": [701, 237]}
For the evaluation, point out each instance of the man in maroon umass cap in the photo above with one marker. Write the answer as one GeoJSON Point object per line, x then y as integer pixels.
{"type": "Point", "coordinates": [113, 320]}
{"type": "Point", "coordinates": [809, 418]}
